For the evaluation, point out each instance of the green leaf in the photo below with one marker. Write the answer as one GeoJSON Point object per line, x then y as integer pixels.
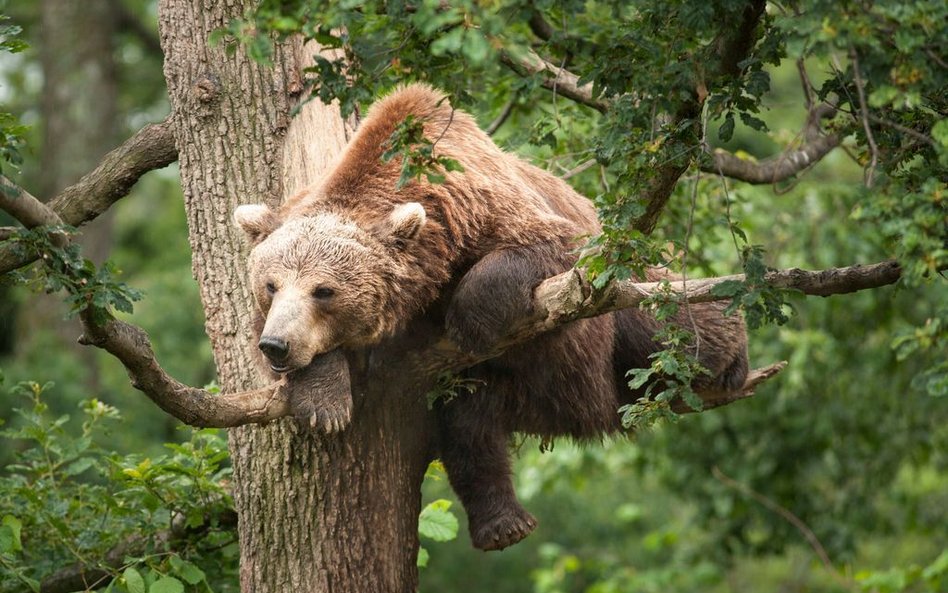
{"type": "Point", "coordinates": [940, 132]}
{"type": "Point", "coordinates": [133, 581]}
{"type": "Point", "coordinates": [422, 557]}
{"type": "Point", "coordinates": [166, 585]}
{"type": "Point", "coordinates": [14, 526]}
{"type": "Point", "coordinates": [186, 570]}
{"type": "Point", "coordinates": [436, 522]}
{"type": "Point", "coordinates": [77, 467]}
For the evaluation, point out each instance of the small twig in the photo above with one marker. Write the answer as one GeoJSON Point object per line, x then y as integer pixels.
{"type": "Point", "coordinates": [578, 169]}
{"type": "Point", "coordinates": [805, 83]}
{"type": "Point", "coordinates": [502, 117]}
{"type": "Point", "coordinates": [789, 517]}
{"type": "Point", "coordinates": [905, 130]}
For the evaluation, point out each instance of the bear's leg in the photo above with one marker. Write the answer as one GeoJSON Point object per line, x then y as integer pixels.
{"type": "Point", "coordinates": [498, 290]}
{"type": "Point", "coordinates": [474, 452]}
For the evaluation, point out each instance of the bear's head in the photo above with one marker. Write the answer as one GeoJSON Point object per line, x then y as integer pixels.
{"type": "Point", "coordinates": [322, 281]}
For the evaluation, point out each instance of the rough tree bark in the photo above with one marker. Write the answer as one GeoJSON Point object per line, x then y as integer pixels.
{"type": "Point", "coordinates": [315, 513]}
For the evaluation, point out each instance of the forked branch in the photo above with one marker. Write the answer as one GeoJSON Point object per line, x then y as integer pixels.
{"type": "Point", "coordinates": [153, 147]}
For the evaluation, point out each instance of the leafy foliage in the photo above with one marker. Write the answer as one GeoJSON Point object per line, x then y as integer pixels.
{"type": "Point", "coordinates": [417, 154]}
{"type": "Point", "coordinates": [68, 500]}
{"type": "Point", "coordinates": [11, 131]}
{"type": "Point", "coordinates": [86, 286]}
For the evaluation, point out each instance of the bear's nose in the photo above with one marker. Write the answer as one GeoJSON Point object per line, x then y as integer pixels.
{"type": "Point", "coordinates": [274, 348]}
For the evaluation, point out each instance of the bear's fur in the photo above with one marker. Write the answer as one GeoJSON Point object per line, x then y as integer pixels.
{"type": "Point", "coordinates": [352, 260]}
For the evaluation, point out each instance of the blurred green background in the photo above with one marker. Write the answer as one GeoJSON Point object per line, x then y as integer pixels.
{"type": "Point", "coordinates": [843, 440]}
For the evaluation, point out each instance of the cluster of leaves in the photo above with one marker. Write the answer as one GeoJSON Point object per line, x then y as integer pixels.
{"type": "Point", "coordinates": [761, 302]}
{"type": "Point", "coordinates": [417, 153]}
{"type": "Point", "coordinates": [160, 524]}
{"type": "Point", "coordinates": [894, 95]}
{"type": "Point", "coordinates": [448, 386]}
{"type": "Point", "coordinates": [11, 132]}
{"type": "Point", "coordinates": [930, 339]}
{"type": "Point", "coordinates": [671, 373]}
{"type": "Point", "coordinates": [87, 286]}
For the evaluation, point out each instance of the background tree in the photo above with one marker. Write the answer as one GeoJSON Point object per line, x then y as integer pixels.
{"type": "Point", "coordinates": [661, 77]}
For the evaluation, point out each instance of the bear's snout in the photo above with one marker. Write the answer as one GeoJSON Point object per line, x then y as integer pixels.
{"type": "Point", "coordinates": [276, 350]}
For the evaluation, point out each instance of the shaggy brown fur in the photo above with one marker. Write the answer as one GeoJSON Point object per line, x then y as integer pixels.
{"type": "Point", "coordinates": [484, 239]}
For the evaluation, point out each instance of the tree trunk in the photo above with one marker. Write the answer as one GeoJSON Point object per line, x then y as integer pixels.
{"type": "Point", "coordinates": [315, 513]}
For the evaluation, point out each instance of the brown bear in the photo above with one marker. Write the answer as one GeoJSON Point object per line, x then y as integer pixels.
{"type": "Point", "coordinates": [349, 262]}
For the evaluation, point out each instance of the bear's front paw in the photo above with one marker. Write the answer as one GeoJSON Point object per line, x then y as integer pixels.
{"type": "Point", "coordinates": [503, 529]}
{"type": "Point", "coordinates": [320, 394]}
{"type": "Point", "coordinates": [327, 417]}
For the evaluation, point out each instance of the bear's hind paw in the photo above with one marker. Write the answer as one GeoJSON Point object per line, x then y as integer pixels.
{"type": "Point", "coordinates": [503, 530]}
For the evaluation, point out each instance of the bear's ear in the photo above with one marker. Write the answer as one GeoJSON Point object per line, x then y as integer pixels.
{"type": "Point", "coordinates": [403, 224]}
{"type": "Point", "coordinates": [257, 220]}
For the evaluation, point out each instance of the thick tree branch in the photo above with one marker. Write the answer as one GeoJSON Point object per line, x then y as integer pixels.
{"type": "Point", "coordinates": [569, 296]}
{"type": "Point", "coordinates": [774, 169]}
{"type": "Point", "coordinates": [559, 80]}
{"type": "Point", "coordinates": [782, 166]}
{"type": "Point", "coordinates": [153, 147]}
{"type": "Point", "coordinates": [193, 406]}
{"type": "Point", "coordinates": [21, 205]}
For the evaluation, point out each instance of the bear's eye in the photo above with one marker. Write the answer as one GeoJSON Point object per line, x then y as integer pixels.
{"type": "Point", "coordinates": [271, 288]}
{"type": "Point", "coordinates": [323, 292]}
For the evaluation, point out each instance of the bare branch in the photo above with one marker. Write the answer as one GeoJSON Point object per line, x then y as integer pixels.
{"type": "Point", "coordinates": [193, 406]}
{"type": "Point", "coordinates": [153, 147]}
{"type": "Point", "coordinates": [565, 82]}
{"type": "Point", "coordinates": [579, 168]}
{"type": "Point", "coordinates": [773, 169]}
{"type": "Point", "coordinates": [790, 518]}
{"type": "Point", "coordinates": [539, 26]}
{"type": "Point", "coordinates": [569, 296]}
{"type": "Point", "coordinates": [502, 117]}
{"type": "Point", "coordinates": [788, 163]}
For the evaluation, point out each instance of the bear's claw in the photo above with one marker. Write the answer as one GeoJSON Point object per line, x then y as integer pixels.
{"type": "Point", "coordinates": [328, 420]}
{"type": "Point", "coordinates": [502, 530]}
